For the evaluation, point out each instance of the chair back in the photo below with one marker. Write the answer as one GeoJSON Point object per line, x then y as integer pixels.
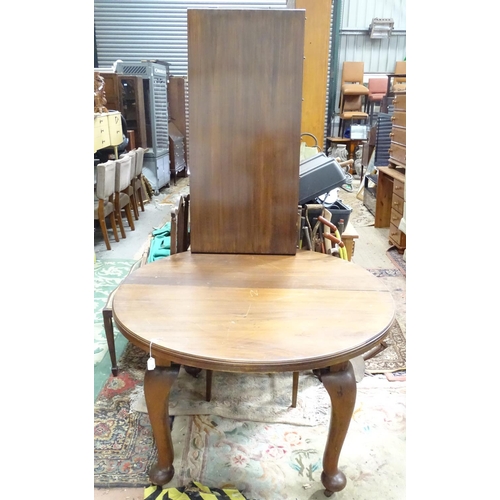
{"type": "Point", "coordinates": [133, 161]}
{"type": "Point", "coordinates": [399, 69]}
{"type": "Point", "coordinates": [122, 176]}
{"type": "Point", "coordinates": [105, 182]}
{"type": "Point", "coordinates": [353, 72]}
{"type": "Point", "coordinates": [139, 161]}
{"type": "Point", "coordinates": [377, 85]}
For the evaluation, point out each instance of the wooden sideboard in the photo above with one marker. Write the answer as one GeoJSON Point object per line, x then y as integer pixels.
{"type": "Point", "coordinates": [108, 131]}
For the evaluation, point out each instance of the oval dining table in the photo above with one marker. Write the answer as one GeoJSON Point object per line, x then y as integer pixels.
{"type": "Point", "coordinates": [253, 313]}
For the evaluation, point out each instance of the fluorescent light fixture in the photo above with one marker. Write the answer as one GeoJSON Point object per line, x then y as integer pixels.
{"type": "Point", "coordinates": [381, 27]}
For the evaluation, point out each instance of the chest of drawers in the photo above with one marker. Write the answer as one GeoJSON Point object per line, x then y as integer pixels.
{"type": "Point", "coordinates": [397, 150]}
{"type": "Point", "coordinates": [389, 208]}
{"type": "Point", "coordinates": [107, 130]}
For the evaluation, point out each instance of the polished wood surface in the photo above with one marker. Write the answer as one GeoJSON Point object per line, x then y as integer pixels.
{"type": "Point", "coordinates": [245, 96]}
{"type": "Point", "coordinates": [253, 313]}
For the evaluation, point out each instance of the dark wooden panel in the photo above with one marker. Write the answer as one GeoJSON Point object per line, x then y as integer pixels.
{"type": "Point", "coordinates": [245, 85]}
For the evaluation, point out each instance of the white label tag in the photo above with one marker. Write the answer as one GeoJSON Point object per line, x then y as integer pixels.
{"type": "Point", "coordinates": [151, 364]}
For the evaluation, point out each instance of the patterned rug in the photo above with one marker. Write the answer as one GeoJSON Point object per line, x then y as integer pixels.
{"type": "Point", "coordinates": [360, 216]}
{"type": "Point", "coordinates": [259, 459]}
{"type": "Point", "coordinates": [108, 274]}
{"type": "Point", "coordinates": [397, 259]}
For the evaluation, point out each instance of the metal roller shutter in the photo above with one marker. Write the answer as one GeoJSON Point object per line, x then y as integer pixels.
{"type": "Point", "coordinates": [132, 30]}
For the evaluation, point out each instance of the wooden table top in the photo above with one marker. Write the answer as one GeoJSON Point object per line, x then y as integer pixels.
{"type": "Point", "coordinates": [253, 313]}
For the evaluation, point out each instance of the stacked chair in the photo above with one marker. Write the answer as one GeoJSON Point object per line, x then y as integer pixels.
{"type": "Point", "coordinates": [122, 198]}
{"type": "Point", "coordinates": [352, 94]}
{"type": "Point", "coordinates": [377, 89]}
{"type": "Point", "coordinates": [135, 190]}
{"type": "Point", "coordinates": [103, 199]}
{"type": "Point", "coordinates": [399, 82]}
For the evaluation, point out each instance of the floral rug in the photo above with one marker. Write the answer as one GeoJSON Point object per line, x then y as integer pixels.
{"type": "Point", "coordinates": [108, 274]}
{"type": "Point", "coordinates": [262, 460]}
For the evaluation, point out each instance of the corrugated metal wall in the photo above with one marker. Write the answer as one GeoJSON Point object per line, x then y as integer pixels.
{"type": "Point", "coordinates": [355, 44]}
{"type": "Point", "coordinates": [132, 30]}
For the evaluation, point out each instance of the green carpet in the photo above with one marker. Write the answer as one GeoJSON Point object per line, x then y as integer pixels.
{"type": "Point", "coordinates": [108, 274]}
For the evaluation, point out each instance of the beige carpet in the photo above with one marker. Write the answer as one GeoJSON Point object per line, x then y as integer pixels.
{"type": "Point", "coordinates": [269, 461]}
{"type": "Point", "coordinates": [260, 397]}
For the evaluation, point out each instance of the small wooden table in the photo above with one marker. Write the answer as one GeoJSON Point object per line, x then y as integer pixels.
{"type": "Point", "coordinates": [253, 313]}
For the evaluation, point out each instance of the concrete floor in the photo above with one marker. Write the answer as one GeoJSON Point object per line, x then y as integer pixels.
{"type": "Point", "coordinates": [370, 253]}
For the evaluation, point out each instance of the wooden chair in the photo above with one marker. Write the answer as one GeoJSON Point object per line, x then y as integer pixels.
{"type": "Point", "coordinates": [352, 111]}
{"type": "Point", "coordinates": [377, 89]}
{"type": "Point", "coordinates": [103, 202]}
{"type": "Point", "coordinates": [179, 224]}
{"type": "Point", "coordinates": [130, 190]}
{"type": "Point", "coordinates": [351, 83]}
{"type": "Point", "coordinates": [107, 318]}
{"type": "Point", "coordinates": [121, 198]}
{"type": "Point", "coordinates": [352, 92]}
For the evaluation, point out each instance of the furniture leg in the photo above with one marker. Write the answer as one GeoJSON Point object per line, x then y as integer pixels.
{"type": "Point", "coordinates": [133, 199]}
{"type": "Point", "coordinates": [130, 219]}
{"type": "Point", "coordinates": [340, 383]}
{"type": "Point", "coordinates": [209, 385]}
{"type": "Point", "coordinates": [295, 389]}
{"type": "Point", "coordinates": [157, 385]}
{"type": "Point", "coordinates": [107, 315]}
{"type": "Point", "coordinates": [142, 191]}
{"type": "Point", "coordinates": [118, 216]}
{"type": "Point", "coordinates": [113, 225]}
{"type": "Point", "coordinates": [349, 246]}
{"type": "Point", "coordinates": [104, 230]}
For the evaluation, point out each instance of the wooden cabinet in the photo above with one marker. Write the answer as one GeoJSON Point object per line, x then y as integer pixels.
{"type": "Point", "coordinates": [126, 95]}
{"type": "Point", "coordinates": [389, 208]}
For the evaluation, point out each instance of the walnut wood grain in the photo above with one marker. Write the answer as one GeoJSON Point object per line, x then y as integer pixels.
{"type": "Point", "coordinates": [245, 89]}
{"type": "Point", "coordinates": [254, 312]}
